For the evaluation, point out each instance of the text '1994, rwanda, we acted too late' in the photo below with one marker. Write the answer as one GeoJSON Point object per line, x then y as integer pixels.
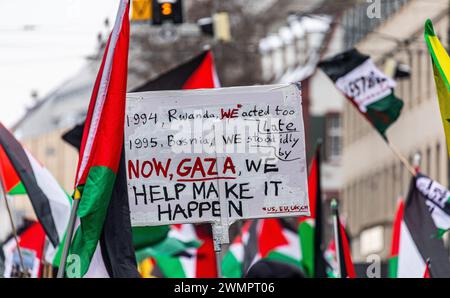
{"type": "Point", "coordinates": [215, 155]}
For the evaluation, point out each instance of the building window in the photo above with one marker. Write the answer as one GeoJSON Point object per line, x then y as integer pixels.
{"type": "Point", "coordinates": [333, 137]}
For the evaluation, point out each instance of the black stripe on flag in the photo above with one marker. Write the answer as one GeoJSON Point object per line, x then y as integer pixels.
{"type": "Point", "coordinates": [251, 247]}
{"type": "Point", "coordinates": [424, 232]}
{"type": "Point", "coordinates": [341, 64]}
{"type": "Point", "coordinates": [116, 241]}
{"type": "Point", "coordinates": [320, 265]}
{"type": "Point", "coordinates": [39, 200]}
{"type": "Point", "coordinates": [341, 255]}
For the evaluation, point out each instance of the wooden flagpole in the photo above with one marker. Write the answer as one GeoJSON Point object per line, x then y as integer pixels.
{"type": "Point", "coordinates": [404, 161]}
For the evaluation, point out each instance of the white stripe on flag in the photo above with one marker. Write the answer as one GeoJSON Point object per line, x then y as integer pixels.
{"type": "Point", "coordinates": [57, 197]}
{"type": "Point", "coordinates": [103, 89]}
{"type": "Point", "coordinates": [410, 262]}
{"type": "Point", "coordinates": [353, 86]}
{"type": "Point", "coordinates": [190, 264]}
{"type": "Point", "coordinates": [97, 268]}
{"type": "Point", "coordinates": [292, 249]}
{"type": "Point", "coordinates": [237, 249]}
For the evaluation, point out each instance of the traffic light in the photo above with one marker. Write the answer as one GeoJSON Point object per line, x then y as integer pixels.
{"type": "Point", "coordinates": [167, 11]}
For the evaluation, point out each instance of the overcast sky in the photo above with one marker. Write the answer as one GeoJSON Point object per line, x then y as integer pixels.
{"type": "Point", "coordinates": [42, 43]}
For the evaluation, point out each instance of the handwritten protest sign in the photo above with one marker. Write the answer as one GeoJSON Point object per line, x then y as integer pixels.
{"type": "Point", "coordinates": [215, 155]}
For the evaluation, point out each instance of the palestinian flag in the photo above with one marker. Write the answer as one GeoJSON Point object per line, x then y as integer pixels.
{"type": "Point", "coordinates": [345, 257]}
{"type": "Point", "coordinates": [330, 258]}
{"type": "Point", "coordinates": [418, 227]}
{"type": "Point", "coordinates": [368, 89]}
{"type": "Point", "coordinates": [260, 239]}
{"type": "Point", "coordinates": [22, 174]}
{"type": "Point", "coordinates": [172, 257]}
{"type": "Point", "coordinates": [117, 243]}
{"type": "Point", "coordinates": [32, 239]}
{"type": "Point", "coordinates": [310, 228]}
{"type": "Point", "coordinates": [441, 70]}
{"type": "Point", "coordinates": [187, 252]}
{"type": "Point", "coordinates": [197, 260]}
{"type": "Point", "coordinates": [342, 248]}
{"type": "Point", "coordinates": [100, 156]}
{"type": "Point", "coordinates": [205, 258]}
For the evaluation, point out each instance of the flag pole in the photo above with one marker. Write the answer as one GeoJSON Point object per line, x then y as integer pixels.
{"type": "Point", "coordinates": [13, 227]}
{"type": "Point", "coordinates": [405, 162]}
{"type": "Point", "coordinates": [69, 236]}
{"type": "Point", "coordinates": [334, 210]}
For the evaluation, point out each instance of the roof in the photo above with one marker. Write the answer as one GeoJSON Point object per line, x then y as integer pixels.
{"type": "Point", "coordinates": [62, 108]}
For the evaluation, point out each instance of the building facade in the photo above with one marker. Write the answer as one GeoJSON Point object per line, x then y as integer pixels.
{"type": "Point", "coordinates": [374, 179]}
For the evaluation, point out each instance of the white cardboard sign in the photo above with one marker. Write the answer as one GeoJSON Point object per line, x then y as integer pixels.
{"type": "Point", "coordinates": [215, 155]}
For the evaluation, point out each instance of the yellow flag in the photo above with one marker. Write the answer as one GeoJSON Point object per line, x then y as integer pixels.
{"type": "Point", "coordinates": [141, 10]}
{"type": "Point", "coordinates": [441, 70]}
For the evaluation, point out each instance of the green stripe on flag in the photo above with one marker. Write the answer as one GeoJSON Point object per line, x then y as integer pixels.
{"type": "Point", "coordinates": [147, 236]}
{"type": "Point", "coordinates": [57, 259]}
{"type": "Point", "coordinates": [393, 266]}
{"type": "Point", "coordinates": [306, 235]}
{"type": "Point", "coordinates": [384, 112]}
{"type": "Point", "coordinates": [170, 266]}
{"type": "Point", "coordinates": [278, 256]}
{"type": "Point", "coordinates": [94, 202]}
{"type": "Point", "coordinates": [231, 266]}
{"type": "Point", "coordinates": [441, 232]}
{"type": "Point", "coordinates": [167, 247]}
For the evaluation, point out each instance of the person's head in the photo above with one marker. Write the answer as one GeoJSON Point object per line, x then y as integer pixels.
{"type": "Point", "coordinates": [273, 269]}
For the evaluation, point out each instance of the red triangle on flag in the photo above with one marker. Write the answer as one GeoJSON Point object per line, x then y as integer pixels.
{"type": "Point", "coordinates": [203, 76]}
{"type": "Point", "coordinates": [271, 236]}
